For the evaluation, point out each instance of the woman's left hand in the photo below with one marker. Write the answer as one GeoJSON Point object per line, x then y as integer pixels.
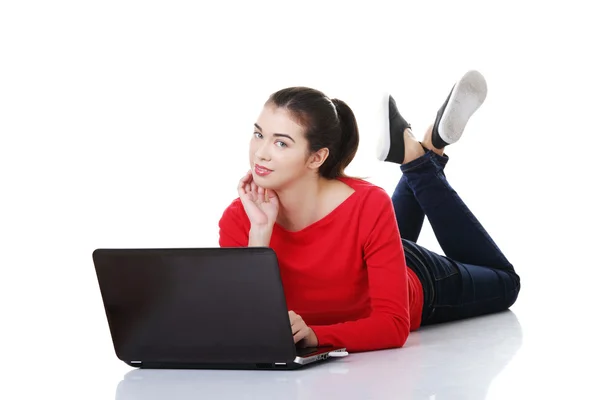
{"type": "Point", "coordinates": [302, 331]}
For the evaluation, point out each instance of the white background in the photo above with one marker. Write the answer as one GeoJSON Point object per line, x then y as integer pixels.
{"type": "Point", "coordinates": [126, 124]}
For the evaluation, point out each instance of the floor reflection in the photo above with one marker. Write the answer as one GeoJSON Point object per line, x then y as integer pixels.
{"type": "Point", "coordinates": [455, 360]}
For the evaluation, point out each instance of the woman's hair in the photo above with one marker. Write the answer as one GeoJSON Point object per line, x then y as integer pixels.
{"type": "Point", "coordinates": [328, 123]}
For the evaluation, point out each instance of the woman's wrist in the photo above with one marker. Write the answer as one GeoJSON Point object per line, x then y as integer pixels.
{"type": "Point", "coordinates": [260, 236]}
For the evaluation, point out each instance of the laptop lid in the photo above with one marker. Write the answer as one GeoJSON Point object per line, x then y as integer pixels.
{"type": "Point", "coordinates": [195, 305]}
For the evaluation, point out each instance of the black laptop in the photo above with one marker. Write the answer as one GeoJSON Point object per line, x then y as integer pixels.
{"type": "Point", "coordinates": [214, 308]}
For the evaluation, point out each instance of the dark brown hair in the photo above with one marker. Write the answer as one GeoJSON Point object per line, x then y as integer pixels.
{"type": "Point", "coordinates": [328, 123]}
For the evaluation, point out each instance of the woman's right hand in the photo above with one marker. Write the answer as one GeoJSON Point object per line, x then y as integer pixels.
{"type": "Point", "coordinates": [261, 205]}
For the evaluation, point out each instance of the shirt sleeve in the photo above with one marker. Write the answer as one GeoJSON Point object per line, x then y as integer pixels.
{"type": "Point", "coordinates": [234, 226]}
{"type": "Point", "coordinates": [388, 325]}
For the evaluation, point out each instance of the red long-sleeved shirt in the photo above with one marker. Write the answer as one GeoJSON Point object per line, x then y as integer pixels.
{"type": "Point", "coordinates": [345, 274]}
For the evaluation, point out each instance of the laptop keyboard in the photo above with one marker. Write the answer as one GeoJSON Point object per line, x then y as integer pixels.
{"type": "Point", "coordinates": [304, 351]}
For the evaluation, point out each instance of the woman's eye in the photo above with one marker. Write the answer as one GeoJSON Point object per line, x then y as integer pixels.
{"type": "Point", "coordinates": [279, 142]}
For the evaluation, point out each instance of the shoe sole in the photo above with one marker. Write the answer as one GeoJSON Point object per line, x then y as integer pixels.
{"type": "Point", "coordinates": [468, 95]}
{"type": "Point", "coordinates": [383, 144]}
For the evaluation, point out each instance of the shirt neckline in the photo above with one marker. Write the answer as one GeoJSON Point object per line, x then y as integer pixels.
{"type": "Point", "coordinates": [327, 217]}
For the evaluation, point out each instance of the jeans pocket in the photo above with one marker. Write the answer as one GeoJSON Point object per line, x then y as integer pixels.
{"type": "Point", "coordinates": [448, 290]}
{"type": "Point", "coordinates": [443, 268]}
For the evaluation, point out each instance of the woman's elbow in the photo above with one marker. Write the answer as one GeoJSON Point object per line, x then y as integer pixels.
{"type": "Point", "coordinates": [402, 331]}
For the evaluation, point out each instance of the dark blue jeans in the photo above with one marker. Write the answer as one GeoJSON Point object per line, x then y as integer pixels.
{"type": "Point", "coordinates": [474, 277]}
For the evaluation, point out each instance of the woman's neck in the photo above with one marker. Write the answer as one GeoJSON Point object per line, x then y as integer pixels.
{"type": "Point", "coordinates": [299, 205]}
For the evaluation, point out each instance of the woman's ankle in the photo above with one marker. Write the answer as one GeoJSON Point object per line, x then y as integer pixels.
{"type": "Point", "coordinates": [427, 143]}
{"type": "Point", "coordinates": [412, 147]}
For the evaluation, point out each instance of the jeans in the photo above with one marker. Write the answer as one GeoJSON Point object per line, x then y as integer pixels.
{"type": "Point", "coordinates": [474, 277]}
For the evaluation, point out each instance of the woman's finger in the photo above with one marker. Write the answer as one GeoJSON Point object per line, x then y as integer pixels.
{"type": "Point", "coordinates": [301, 335]}
{"type": "Point", "coordinates": [249, 183]}
{"type": "Point", "coordinates": [297, 323]}
{"type": "Point", "coordinates": [296, 328]}
{"type": "Point", "coordinates": [244, 180]}
{"type": "Point", "coordinates": [294, 318]}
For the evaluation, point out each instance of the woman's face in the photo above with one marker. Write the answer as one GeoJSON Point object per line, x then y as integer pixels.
{"type": "Point", "coordinates": [278, 146]}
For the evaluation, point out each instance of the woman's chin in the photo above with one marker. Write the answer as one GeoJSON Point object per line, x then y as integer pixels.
{"type": "Point", "coordinates": [265, 182]}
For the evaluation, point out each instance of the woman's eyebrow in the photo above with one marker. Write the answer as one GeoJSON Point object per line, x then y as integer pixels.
{"type": "Point", "coordinates": [276, 134]}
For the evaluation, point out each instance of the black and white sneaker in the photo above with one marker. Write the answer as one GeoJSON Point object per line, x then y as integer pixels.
{"type": "Point", "coordinates": [390, 146]}
{"type": "Point", "coordinates": [466, 96]}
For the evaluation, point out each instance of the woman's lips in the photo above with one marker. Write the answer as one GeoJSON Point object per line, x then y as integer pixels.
{"type": "Point", "coordinates": [261, 171]}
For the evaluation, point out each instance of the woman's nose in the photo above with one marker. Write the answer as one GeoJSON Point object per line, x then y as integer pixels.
{"type": "Point", "coordinates": [262, 152]}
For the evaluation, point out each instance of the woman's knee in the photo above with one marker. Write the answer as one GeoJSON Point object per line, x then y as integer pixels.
{"type": "Point", "coordinates": [513, 292]}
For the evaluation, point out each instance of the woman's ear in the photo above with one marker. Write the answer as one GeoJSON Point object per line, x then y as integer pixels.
{"type": "Point", "coordinates": [318, 158]}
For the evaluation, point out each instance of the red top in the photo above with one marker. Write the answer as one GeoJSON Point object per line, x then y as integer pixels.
{"type": "Point", "coordinates": [345, 274]}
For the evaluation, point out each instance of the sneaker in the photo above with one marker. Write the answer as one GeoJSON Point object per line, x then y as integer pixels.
{"type": "Point", "coordinates": [466, 96]}
{"type": "Point", "coordinates": [390, 146]}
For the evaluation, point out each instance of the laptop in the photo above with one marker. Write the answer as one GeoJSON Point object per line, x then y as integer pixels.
{"type": "Point", "coordinates": [200, 308]}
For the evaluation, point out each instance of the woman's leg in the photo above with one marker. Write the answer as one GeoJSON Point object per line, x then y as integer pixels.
{"type": "Point", "coordinates": [459, 233]}
{"type": "Point", "coordinates": [474, 277]}
{"type": "Point", "coordinates": [409, 215]}
{"type": "Point", "coordinates": [453, 290]}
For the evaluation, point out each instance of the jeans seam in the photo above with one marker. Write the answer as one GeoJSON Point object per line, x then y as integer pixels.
{"type": "Point", "coordinates": [446, 276]}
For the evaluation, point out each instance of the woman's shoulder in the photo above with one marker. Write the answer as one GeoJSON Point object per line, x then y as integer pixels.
{"type": "Point", "coordinates": [234, 211]}
{"type": "Point", "coordinates": [372, 208]}
{"type": "Point", "coordinates": [369, 191]}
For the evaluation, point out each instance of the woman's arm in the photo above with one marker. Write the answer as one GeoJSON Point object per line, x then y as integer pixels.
{"type": "Point", "coordinates": [235, 229]}
{"type": "Point", "coordinates": [234, 226]}
{"type": "Point", "coordinates": [388, 325]}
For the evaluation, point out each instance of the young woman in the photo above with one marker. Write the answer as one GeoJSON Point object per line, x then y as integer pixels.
{"type": "Point", "coordinates": [349, 277]}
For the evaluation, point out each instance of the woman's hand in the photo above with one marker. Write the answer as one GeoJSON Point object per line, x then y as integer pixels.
{"type": "Point", "coordinates": [261, 205]}
{"type": "Point", "coordinates": [302, 331]}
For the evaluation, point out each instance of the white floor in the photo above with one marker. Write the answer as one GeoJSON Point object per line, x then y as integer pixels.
{"type": "Point", "coordinates": [512, 355]}
{"type": "Point", "coordinates": [469, 360]}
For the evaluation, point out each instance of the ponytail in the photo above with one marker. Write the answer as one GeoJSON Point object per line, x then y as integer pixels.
{"type": "Point", "coordinates": [348, 144]}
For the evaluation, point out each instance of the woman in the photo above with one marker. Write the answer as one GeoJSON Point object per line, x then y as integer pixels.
{"type": "Point", "coordinates": [349, 278]}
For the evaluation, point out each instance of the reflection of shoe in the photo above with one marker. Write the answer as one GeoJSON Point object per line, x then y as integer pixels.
{"type": "Point", "coordinates": [390, 146]}
{"type": "Point", "coordinates": [466, 96]}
